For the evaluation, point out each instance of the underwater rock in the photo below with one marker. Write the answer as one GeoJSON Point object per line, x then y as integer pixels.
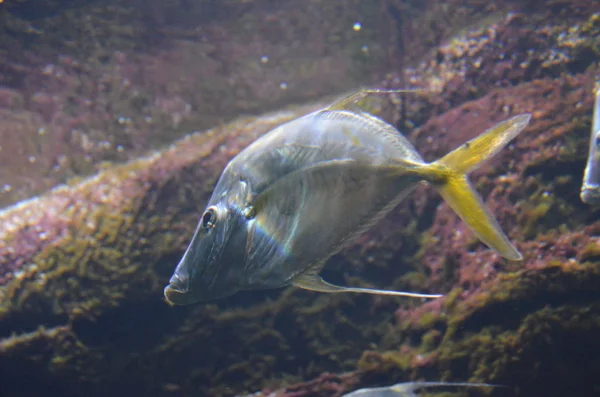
{"type": "Point", "coordinates": [81, 307]}
{"type": "Point", "coordinates": [528, 330]}
{"type": "Point", "coordinates": [110, 80]}
{"type": "Point", "coordinates": [325, 385]}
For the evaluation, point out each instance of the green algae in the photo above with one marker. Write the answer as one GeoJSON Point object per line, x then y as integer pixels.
{"type": "Point", "coordinates": [533, 215]}
{"type": "Point", "coordinates": [495, 351]}
{"type": "Point", "coordinates": [499, 332]}
{"type": "Point", "coordinates": [591, 252]}
{"type": "Point", "coordinates": [291, 332]}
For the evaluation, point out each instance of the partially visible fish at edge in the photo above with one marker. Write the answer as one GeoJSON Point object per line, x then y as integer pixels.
{"type": "Point", "coordinates": [297, 195]}
{"type": "Point", "coordinates": [408, 389]}
{"type": "Point", "coordinates": [590, 189]}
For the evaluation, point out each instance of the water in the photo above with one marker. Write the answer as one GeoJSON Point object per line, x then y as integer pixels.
{"type": "Point", "coordinates": [117, 117]}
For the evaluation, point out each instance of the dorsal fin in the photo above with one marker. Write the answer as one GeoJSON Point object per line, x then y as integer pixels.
{"type": "Point", "coordinates": [346, 102]}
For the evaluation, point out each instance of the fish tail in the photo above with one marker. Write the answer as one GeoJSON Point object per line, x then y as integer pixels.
{"type": "Point", "coordinates": [449, 175]}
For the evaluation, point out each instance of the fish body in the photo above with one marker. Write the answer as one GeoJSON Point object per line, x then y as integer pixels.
{"type": "Point", "coordinates": [408, 389]}
{"type": "Point", "coordinates": [297, 195]}
{"type": "Point", "coordinates": [590, 189]}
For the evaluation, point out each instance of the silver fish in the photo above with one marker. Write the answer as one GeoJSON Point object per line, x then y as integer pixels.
{"type": "Point", "coordinates": [297, 195]}
{"type": "Point", "coordinates": [590, 189]}
{"type": "Point", "coordinates": [408, 389]}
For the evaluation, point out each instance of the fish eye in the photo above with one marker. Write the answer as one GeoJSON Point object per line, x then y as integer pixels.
{"type": "Point", "coordinates": [209, 218]}
{"type": "Point", "coordinates": [249, 212]}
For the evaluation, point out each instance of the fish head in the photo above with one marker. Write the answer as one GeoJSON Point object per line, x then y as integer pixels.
{"type": "Point", "coordinates": [213, 262]}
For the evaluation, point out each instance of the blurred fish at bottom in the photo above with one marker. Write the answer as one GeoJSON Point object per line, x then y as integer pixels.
{"type": "Point", "coordinates": [293, 198]}
{"type": "Point", "coordinates": [408, 389]}
{"type": "Point", "coordinates": [590, 189]}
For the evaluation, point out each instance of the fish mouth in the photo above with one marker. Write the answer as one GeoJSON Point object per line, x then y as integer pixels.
{"type": "Point", "coordinates": [173, 295]}
{"type": "Point", "coordinates": [177, 291]}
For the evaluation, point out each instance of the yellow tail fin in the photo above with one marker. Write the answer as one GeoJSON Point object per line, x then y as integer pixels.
{"type": "Point", "coordinates": [449, 175]}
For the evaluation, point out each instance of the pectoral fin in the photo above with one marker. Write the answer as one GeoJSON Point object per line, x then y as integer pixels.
{"type": "Point", "coordinates": [314, 282]}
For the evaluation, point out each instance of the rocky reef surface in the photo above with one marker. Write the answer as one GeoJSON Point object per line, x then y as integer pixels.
{"type": "Point", "coordinates": [83, 265]}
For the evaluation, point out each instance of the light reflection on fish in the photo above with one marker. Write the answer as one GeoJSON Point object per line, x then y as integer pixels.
{"type": "Point", "coordinates": [590, 190]}
{"type": "Point", "coordinates": [297, 195]}
{"type": "Point", "coordinates": [408, 389]}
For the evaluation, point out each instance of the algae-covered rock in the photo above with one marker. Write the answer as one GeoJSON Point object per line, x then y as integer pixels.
{"type": "Point", "coordinates": [83, 266]}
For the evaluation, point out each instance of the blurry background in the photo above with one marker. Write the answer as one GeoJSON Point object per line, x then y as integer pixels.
{"type": "Point", "coordinates": [83, 82]}
{"type": "Point", "coordinates": [113, 90]}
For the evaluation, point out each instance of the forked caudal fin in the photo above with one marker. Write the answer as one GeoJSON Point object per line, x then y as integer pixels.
{"type": "Point", "coordinates": [313, 282]}
{"type": "Point", "coordinates": [449, 175]}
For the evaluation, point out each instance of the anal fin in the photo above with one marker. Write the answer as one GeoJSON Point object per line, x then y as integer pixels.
{"type": "Point", "coordinates": [314, 282]}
